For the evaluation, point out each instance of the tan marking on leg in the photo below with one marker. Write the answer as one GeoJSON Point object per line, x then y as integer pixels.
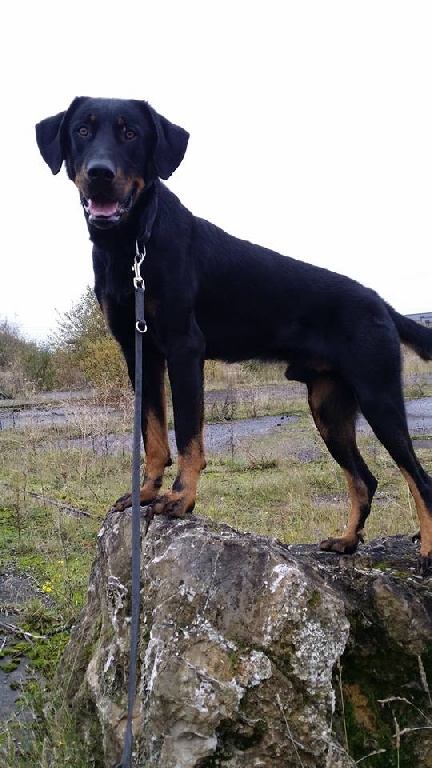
{"type": "Point", "coordinates": [181, 499]}
{"type": "Point", "coordinates": [318, 394]}
{"type": "Point", "coordinates": [347, 543]}
{"type": "Point", "coordinates": [424, 515]}
{"type": "Point", "coordinates": [192, 463]}
{"type": "Point", "coordinates": [157, 456]}
{"type": "Point", "coordinates": [359, 497]}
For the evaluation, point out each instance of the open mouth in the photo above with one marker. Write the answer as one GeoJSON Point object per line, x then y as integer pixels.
{"type": "Point", "coordinates": [105, 213]}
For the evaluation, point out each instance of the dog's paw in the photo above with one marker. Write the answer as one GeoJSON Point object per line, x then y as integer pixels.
{"type": "Point", "coordinates": [173, 504]}
{"type": "Point", "coordinates": [345, 545]}
{"type": "Point", "coordinates": [424, 564]}
{"type": "Point", "coordinates": [148, 493]}
{"type": "Point", "coordinates": [122, 503]}
{"type": "Point", "coordinates": [424, 558]}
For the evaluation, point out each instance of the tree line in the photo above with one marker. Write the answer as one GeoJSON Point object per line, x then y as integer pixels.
{"type": "Point", "coordinates": [80, 353]}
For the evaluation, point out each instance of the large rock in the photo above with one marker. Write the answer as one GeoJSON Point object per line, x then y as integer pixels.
{"type": "Point", "coordinates": [253, 653]}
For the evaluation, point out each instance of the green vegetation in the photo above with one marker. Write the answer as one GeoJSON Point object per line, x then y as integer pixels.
{"type": "Point", "coordinates": [382, 726]}
{"type": "Point", "coordinates": [85, 352]}
{"type": "Point", "coordinates": [58, 482]}
{"type": "Point", "coordinates": [80, 353]}
{"type": "Point", "coordinates": [24, 365]}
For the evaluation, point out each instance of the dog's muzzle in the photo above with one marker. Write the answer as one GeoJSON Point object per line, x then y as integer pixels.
{"type": "Point", "coordinates": [105, 196]}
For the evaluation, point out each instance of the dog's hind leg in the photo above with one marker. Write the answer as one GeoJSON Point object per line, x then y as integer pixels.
{"type": "Point", "coordinates": [384, 409]}
{"type": "Point", "coordinates": [334, 409]}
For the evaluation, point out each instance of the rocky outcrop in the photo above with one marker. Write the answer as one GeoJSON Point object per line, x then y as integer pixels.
{"type": "Point", "coordinates": [252, 653]}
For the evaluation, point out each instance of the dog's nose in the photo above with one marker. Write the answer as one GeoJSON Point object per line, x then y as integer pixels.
{"type": "Point", "coordinates": [101, 171]}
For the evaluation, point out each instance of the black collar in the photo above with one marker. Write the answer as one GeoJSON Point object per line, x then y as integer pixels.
{"type": "Point", "coordinates": [148, 215]}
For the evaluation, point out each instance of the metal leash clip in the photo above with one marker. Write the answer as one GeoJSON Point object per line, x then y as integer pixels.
{"type": "Point", "coordinates": [138, 280]}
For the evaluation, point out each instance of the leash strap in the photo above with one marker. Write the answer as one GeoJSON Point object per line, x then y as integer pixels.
{"type": "Point", "coordinates": [140, 329]}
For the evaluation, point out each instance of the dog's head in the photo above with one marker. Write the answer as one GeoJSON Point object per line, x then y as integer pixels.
{"type": "Point", "coordinates": [113, 149]}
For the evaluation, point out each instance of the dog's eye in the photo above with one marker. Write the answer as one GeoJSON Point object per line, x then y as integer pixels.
{"type": "Point", "coordinates": [83, 130]}
{"type": "Point", "coordinates": [129, 134]}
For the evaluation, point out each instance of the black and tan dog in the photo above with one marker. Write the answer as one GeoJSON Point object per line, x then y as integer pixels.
{"type": "Point", "coordinates": [211, 295]}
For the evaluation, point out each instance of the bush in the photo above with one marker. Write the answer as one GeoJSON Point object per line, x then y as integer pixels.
{"type": "Point", "coordinates": [84, 322]}
{"type": "Point", "coordinates": [24, 365]}
{"type": "Point", "coordinates": [85, 352]}
{"type": "Point", "coordinates": [37, 363]}
{"type": "Point", "coordinates": [103, 365]}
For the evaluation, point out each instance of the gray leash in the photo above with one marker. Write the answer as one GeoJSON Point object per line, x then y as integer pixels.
{"type": "Point", "coordinates": [140, 329]}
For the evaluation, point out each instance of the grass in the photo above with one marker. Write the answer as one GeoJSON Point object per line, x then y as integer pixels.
{"type": "Point", "coordinates": [298, 501]}
{"type": "Point", "coordinates": [58, 482]}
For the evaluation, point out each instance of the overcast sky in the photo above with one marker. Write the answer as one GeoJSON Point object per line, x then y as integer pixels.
{"type": "Point", "coordinates": [310, 124]}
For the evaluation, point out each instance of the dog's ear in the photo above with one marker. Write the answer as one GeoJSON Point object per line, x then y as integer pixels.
{"type": "Point", "coordinates": [171, 144]}
{"type": "Point", "coordinates": [49, 141]}
{"type": "Point", "coordinates": [50, 136]}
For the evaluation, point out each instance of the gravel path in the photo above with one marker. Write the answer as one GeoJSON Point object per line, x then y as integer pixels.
{"type": "Point", "coordinates": [218, 436]}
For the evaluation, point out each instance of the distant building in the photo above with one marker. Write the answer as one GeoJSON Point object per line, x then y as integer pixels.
{"type": "Point", "coordinates": [425, 318]}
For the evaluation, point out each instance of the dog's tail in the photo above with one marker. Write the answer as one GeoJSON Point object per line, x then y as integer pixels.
{"type": "Point", "coordinates": [415, 335]}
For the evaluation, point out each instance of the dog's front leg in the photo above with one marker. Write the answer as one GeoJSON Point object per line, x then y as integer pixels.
{"type": "Point", "coordinates": [186, 373]}
{"type": "Point", "coordinates": [154, 426]}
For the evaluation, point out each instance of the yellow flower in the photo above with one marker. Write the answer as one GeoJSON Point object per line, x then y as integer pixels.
{"type": "Point", "coordinates": [47, 587]}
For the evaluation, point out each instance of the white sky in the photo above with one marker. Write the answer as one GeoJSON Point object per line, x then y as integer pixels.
{"type": "Point", "coordinates": [310, 123]}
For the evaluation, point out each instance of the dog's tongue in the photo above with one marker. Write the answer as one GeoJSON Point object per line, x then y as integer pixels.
{"type": "Point", "coordinates": [97, 208]}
